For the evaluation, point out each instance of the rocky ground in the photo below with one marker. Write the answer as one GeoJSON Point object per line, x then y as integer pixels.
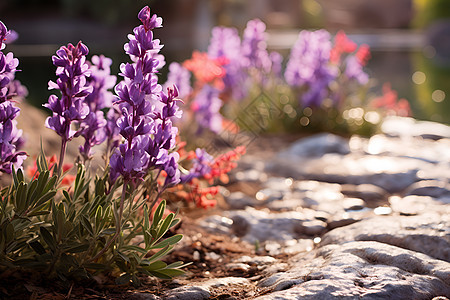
{"type": "Point", "coordinates": [332, 218]}
{"type": "Point", "coordinates": [320, 218]}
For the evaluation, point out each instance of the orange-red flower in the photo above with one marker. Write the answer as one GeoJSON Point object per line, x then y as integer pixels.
{"type": "Point", "coordinates": [363, 54]}
{"type": "Point", "coordinates": [206, 69]}
{"type": "Point", "coordinates": [342, 44]}
{"type": "Point", "coordinates": [390, 102]}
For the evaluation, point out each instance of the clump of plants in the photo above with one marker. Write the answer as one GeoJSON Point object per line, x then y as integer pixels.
{"type": "Point", "coordinates": [114, 220]}
{"type": "Point", "coordinates": [322, 85]}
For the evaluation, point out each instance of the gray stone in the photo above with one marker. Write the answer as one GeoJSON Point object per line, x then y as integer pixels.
{"type": "Point", "coordinates": [239, 200]}
{"type": "Point", "coordinates": [368, 192]}
{"type": "Point", "coordinates": [188, 293]}
{"type": "Point", "coordinates": [238, 267]}
{"type": "Point", "coordinates": [317, 145]}
{"type": "Point", "coordinates": [360, 270]}
{"type": "Point", "coordinates": [432, 188]}
{"type": "Point", "coordinates": [353, 204]}
{"type": "Point", "coordinates": [268, 195]}
{"type": "Point", "coordinates": [257, 260]}
{"type": "Point", "coordinates": [311, 228]}
{"type": "Point", "coordinates": [428, 233]}
{"type": "Point", "coordinates": [281, 184]}
{"type": "Point", "coordinates": [407, 127]}
{"type": "Point", "coordinates": [414, 205]}
{"type": "Point", "coordinates": [393, 174]}
{"type": "Point", "coordinates": [260, 225]}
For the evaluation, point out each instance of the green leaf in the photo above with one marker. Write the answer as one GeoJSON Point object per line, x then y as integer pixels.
{"type": "Point", "coordinates": [67, 196]}
{"type": "Point", "coordinates": [87, 224]}
{"type": "Point", "coordinates": [168, 242]}
{"type": "Point", "coordinates": [44, 199]}
{"type": "Point", "coordinates": [38, 213]}
{"type": "Point", "coordinates": [155, 266]}
{"type": "Point", "coordinates": [134, 248]}
{"type": "Point", "coordinates": [78, 248]}
{"type": "Point", "coordinates": [37, 247]}
{"type": "Point", "coordinates": [41, 161]}
{"type": "Point", "coordinates": [172, 272]}
{"type": "Point", "coordinates": [159, 254]}
{"type": "Point", "coordinates": [123, 256]}
{"type": "Point", "coordinates": [31, 193]}
{"type": "Point", "coordinates": [21, 197]}
{"type": "Point", "coordinates": [50, 184]}
{"type": "Point", "coordinates": [108, 231]}
{"type": "Point", "coordinates": [95, 266]}
{"type": "Point", "coordinates": [146, 218]}
{"type": "Point", "coordinates": [15, 178]}
{"type": "Point", "coordinates": [158, 214]}
{"type": "Point", "coordinates": [177, 265]}
{"type": "Point", "coordinates": [124, 279]}
{"type": "Point", "coordinates": [160, 275]}
{"type": "Point", "coordinates": [165, 225]}
{"type": "Point", "coordinates": [48, 238]}
{"type": "Point", "coordinates": [9, 233]}
{"type": "Point", "coordinates": [42, 181]}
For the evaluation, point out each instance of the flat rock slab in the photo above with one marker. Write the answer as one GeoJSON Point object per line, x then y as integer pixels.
{"type": "Point", "coordinates": [428, 233]}
{"type": "Point", "coordinates": [361, 270]}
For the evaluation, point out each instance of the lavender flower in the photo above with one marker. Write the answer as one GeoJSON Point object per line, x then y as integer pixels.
{"type": "Point", "coordinates": [72, 71]}
{"type": "Point", "coordinates": [225, 42]}
{"type": "Point", "coordinates": [254, 46]}
{"type": "Point", "coordinates": [101, 81]}
{"type": "Point", "coordinates": [181, 78]}
{"type": "Point", "coordinates": [308, 65]}
{"type": "Point", "coordinates": [354, 70]}
{"type": "Point", "coordinates": [206, 107]}
{"type": "Point", "coordinates": [10, 136]}
{"type": "Point", "coordinates": [146, 111]}
{"type": "Point", "coordinates": [93, 127]}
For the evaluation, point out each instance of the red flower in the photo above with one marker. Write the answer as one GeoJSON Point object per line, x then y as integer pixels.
{"type": "Point", "coordinates": [342, 44]}
{"type": "Point", "coordinates": [363, 54]}
{"type": "Point", "coordinates": [207, 70]}
{"type": "Point", "coordinates": [390, 102]}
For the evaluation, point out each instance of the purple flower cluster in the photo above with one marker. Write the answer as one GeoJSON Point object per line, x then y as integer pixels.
{"type": "Point", "coordinates": [254, 46]}
{"type": "Point", "coordinates": [94, 127]}
{"type": "Point", "coordinates": [225, 42]}
{"type": "Point", "coordinates": [181, 78]}
{"type": "Point", "coordinates": [72, 71]}
{"type": "Point", "coordinates": [206, 107]}
{"type": "Point", "coordinates": [147, 112]}
{"type": "Point", "coordinates": [309, 65]}
{"type": "Point", "coordinates": [10, 136]}
{"type": "Point", "coordinates": [354, 70]}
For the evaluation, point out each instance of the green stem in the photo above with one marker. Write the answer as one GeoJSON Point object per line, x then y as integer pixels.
{"type": "Point", "coordinates": [61, 156]}
{"type": "Point", "coordinates": [118, 224]}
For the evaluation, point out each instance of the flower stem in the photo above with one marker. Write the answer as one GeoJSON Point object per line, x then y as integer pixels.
{"type": "Point", "coordinates": [61, 156]}
{"type": "Point", "coordinates": [118, 224]}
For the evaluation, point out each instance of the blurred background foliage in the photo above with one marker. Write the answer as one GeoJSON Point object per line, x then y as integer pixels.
{"type": "Point", "coordinates": [408, 38]}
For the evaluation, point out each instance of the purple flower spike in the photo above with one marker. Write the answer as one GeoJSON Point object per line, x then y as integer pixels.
{"type": "Point", "coordinates": [308, 65]}
{"type": "Point", "coordinates": [225, 42]}
{"type": "Point", "coordinates": [254, 46]}
{"type": "Point", "coordinates": [207, 106]}
{"type": "Point", "coordinates": [354, 70]}
{"type": "Point", "coordinates": [72, 71]}
{"type": "Point", "coordinates": [147, 112]}
{"type": "Point", "coordinates": [10, 136]}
